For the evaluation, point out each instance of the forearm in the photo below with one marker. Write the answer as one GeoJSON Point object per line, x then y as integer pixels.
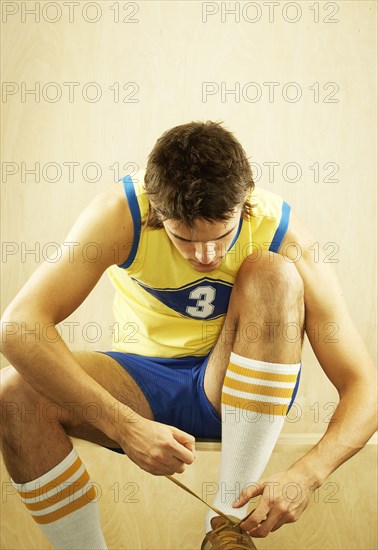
{"type": "Point", "coordinates": [351, 426]}
{"type": "Point", "coordinates": [50, 367]}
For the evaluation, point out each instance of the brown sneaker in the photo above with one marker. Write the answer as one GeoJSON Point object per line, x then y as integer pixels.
{"type": "Point", "coordinates": [226, 536]}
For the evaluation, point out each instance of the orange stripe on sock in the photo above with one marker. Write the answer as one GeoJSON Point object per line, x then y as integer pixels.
{"type": "Point", "coordinates": [254, 406]}
{"type": "Point", "coordinates": [257, 388]}
{"type": "Point", "coordinates": [251, 373]}
{"type": "Point", "coordinates": [54, 483]}
{"type": "Point", "coordinates": [68, 508]}
{"type": "Point", "coordinates": [61, 495]}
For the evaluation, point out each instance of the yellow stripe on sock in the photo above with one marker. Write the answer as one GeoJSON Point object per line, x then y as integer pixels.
{"type": "Point", "coordinates": [54, 483]}
{"type": "Point", "coordinates": [61, 495]}
{"type": "Point", "coordinates": [68, 508]}
{"type": "Point", "coordinates": [251, 373]}
{"type": "Point", "coordinates": [254, 406]}
{"type": "Point", "coordinates": [257, 388]}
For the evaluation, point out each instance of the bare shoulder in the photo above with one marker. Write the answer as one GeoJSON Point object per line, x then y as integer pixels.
{"type": "Point", "coordinates": [111, 204]}
{"type": "Point", "coordinates": [107, 220]}
{"type": "Point", "coordinates": [100, 237]}
{"type": "Point", "coordinates": [298, 239]}
{"type": "Point", "coordinates": [321, 285]}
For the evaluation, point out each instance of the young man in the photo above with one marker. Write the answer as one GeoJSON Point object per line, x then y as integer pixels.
{"type": "Point", "coordinates": [211, 309]}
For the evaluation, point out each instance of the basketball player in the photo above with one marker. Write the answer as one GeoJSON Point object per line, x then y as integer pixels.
{"type": "Point", "coordinates": [215, 283]}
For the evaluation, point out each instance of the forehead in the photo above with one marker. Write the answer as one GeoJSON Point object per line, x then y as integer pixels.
{"type": "Point", "coordinates": [203, 229]}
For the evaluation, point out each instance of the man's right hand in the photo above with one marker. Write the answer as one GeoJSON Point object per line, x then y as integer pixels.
{"type": "Point", "coordinates": [158, 448]}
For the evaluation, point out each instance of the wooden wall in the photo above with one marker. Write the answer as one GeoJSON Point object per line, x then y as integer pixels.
{"type": "Point", "coordinates": [141, 511]}
{"type": "Point", "coordinates": [139, 68]}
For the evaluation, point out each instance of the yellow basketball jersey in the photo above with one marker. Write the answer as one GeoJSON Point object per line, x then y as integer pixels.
{"type": "Point", "coordinates": [163, 307]}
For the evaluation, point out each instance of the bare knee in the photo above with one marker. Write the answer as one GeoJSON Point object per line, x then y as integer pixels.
{"type": "Point", "coordinates": [11, 390]}
{"type": "Point", "coordinates": [269, 289]}
{"type": "Point", "coordinates": [20, 403]}
{"type": "Point", "coordinates": [14, 397]}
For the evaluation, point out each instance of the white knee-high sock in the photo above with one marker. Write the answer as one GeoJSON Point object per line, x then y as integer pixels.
{"type": "Point", "coordinates": [255, 400]}
{"type": "Point", "coordinates": [63, 503]}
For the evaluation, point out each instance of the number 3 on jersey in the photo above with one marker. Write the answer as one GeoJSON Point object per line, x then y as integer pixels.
{"type": "Point", "coordinates": [204, 295]}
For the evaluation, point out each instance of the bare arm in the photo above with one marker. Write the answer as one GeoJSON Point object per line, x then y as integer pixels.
{"type": "Point", "coordinates": [345, 361]}
{"type": "Point", "coordinates": [348, 366]}
{"type": "Point", "coordinates": [57, 289]}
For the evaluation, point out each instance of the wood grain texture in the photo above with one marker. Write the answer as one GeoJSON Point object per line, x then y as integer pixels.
{"type": "Point", "coordinates": [170, 53]}
{"type": "Point", "coordinates": [170, 79]}
{"type": "Point", "coordinates": [140, 511]}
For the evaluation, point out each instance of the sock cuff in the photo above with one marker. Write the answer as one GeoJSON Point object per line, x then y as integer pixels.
{"type": "Point", "coordinates": [49, 476]}
{"type": "Point", "coordinates": [258, 386]}
{"type": "Point", "coordinates": [64, 504]}
{"type": "Point", "coordinates": [63, 490]}
{"type": "Point", "coordinates": [264, 366]}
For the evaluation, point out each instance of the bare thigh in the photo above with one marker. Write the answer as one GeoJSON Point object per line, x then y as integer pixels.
{"type": "Point", "coordinates": [111, 376]}
{"type": "Point", "coordinates": [77, 420]}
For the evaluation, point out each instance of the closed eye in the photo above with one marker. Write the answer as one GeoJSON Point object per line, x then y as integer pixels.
{"type": "Point", "coordinates": [210, 240]}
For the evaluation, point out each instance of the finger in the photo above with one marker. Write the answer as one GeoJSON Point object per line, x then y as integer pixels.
{"type": "Point", "coordinates": [175, 466]}
{"type": "Point", "coordinates": [184, 446]}
{"type": "Point", "coordinates": [288, 518]}
{"type": "Point", "coordinates": [182, 453]}
{"type": "Point", "coordinates": [172, 458]}
{"type": "Point", "coordinates": [169, 466]}
{"type": "Point", "coordinates": [251, 491]}
{"type": "Point", "coordinates": [265, 526]}
{"type": "Point", "coordinates": [184, 438]}
{"type": "Point", "coordinates": [279, 524]}
{"type": "Point", "coordinates": [191, 445]}
{"type": "Point", "coordinates": [258, 516]}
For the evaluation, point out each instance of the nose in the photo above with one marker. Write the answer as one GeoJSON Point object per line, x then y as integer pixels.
{"type": "Point", "coordinates": [205, 252]}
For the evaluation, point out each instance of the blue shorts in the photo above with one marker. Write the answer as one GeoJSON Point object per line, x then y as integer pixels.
{"type": "Point", "coordinates": [174, 390]}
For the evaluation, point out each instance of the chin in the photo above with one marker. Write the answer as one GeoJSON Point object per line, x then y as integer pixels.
{"type": "Point", "coordinates": [202, 268]}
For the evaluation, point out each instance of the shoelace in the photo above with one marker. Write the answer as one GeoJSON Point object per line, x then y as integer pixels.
{"type": "Point", "coordinates": [229, 520]}
{"type": "Point", "coordinates": [230, 538]}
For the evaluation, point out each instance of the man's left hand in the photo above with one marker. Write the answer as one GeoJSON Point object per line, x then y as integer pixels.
{"type": "Point", "coordinates": [284, 496]}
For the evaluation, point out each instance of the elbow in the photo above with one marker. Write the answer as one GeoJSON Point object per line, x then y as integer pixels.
{"type": "Point", "coordinates": [364, 383]}
{"type": "Point", "coordinates": [17, 326]}
{"type": "Point", "coordinates": [10, 330]}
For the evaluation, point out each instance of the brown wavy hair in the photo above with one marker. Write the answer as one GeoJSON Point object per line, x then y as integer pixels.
{"type": "Point", "coordinates": [197, 170]}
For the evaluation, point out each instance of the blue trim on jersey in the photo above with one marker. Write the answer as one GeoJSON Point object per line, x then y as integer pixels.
{"type": "Point", "coordinates": [281, 229]}
{"type": "Point", "coordinates": [237, 234]}
{"type": "Point", "coordinates": [135, 212]}
{"type": "Point", "coordinates": [186, 285]}
{"type": "Point", "coordinates": [205, 298]}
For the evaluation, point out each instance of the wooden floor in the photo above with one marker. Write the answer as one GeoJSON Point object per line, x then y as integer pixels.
{"type": "Point", "coordinates": [141, 511]}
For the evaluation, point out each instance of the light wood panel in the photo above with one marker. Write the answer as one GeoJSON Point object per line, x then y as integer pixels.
{"type": "Point", "coordinates": [141, 511]}
{"type": "Point", "coordinates": [170, 53]}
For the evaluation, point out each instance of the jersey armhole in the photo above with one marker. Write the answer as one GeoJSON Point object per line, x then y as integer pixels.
{"type": "Point", "coordinates": [282, 228]}
{"type": "Point", "coordinates": [136, 216]}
